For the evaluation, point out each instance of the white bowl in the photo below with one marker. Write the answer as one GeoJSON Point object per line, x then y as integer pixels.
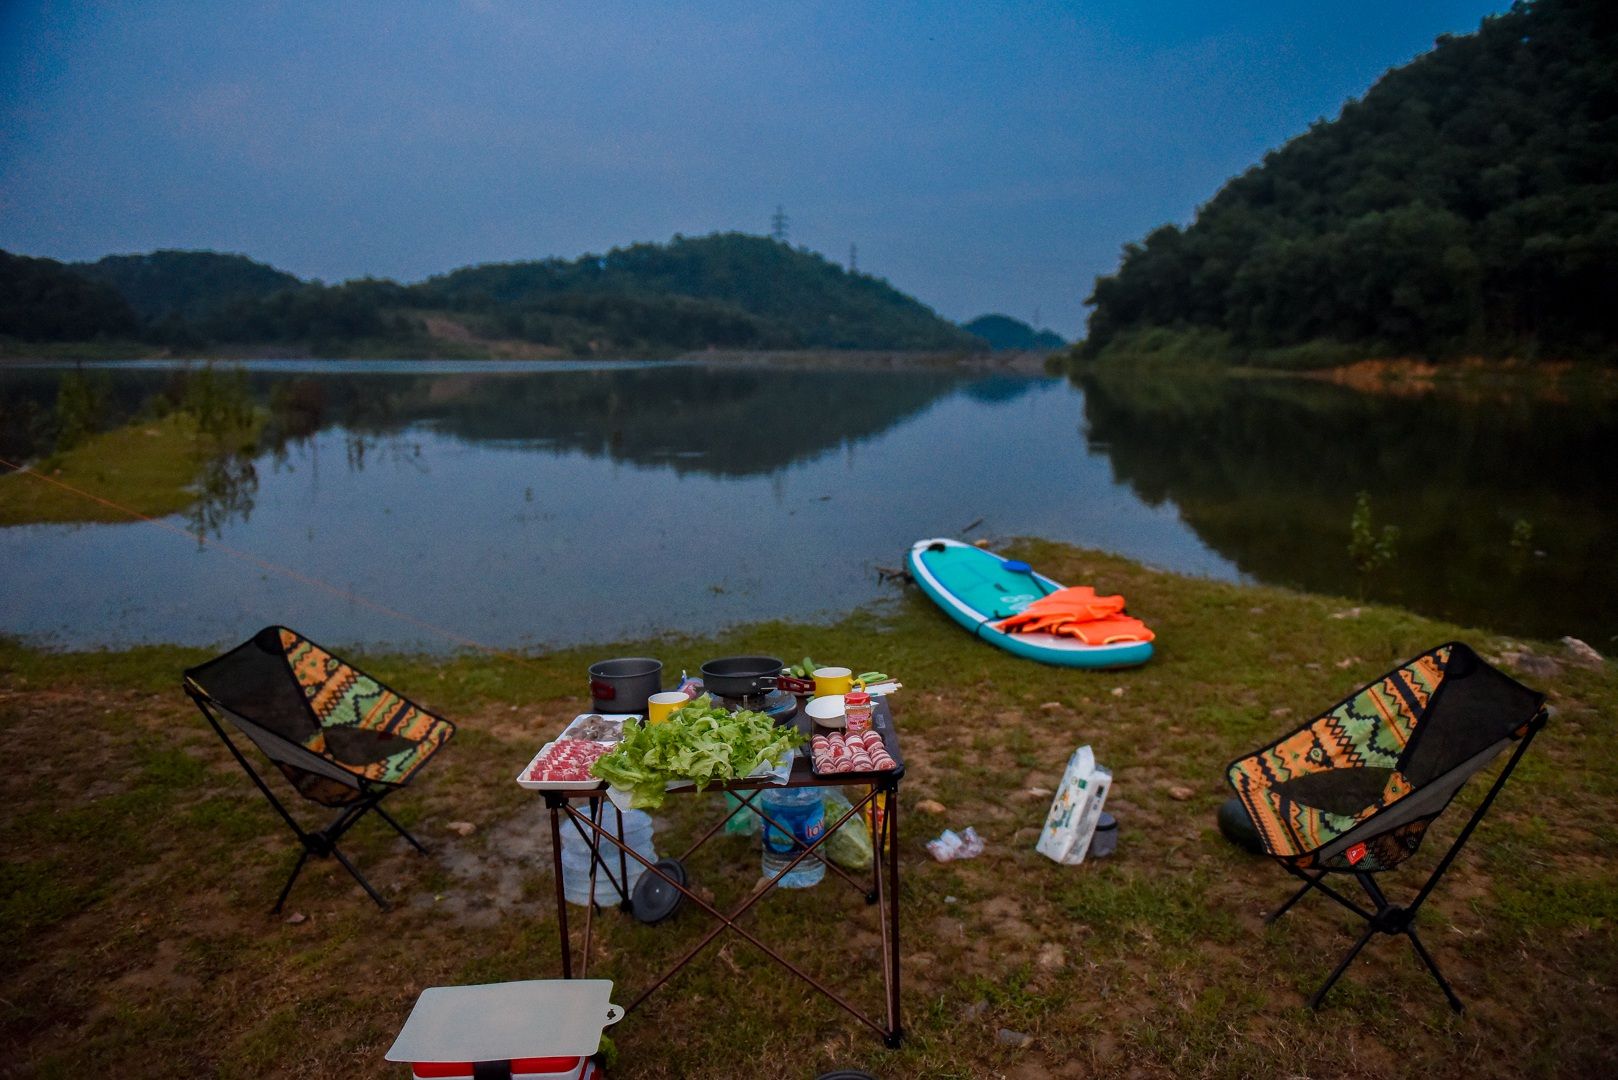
{"type": "Point", "coordinates": [826, 711]}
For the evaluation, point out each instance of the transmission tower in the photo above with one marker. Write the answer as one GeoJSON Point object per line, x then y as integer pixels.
{"type": "Point", "coordinates": [853, 259]}
{"type": "Point", "coordinates": [778, 224]}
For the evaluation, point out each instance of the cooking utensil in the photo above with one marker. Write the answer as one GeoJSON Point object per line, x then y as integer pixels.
{"type": "Point", "coordinates": [622, 686]}
{"type": "Point", "coordinates": [741, 676]}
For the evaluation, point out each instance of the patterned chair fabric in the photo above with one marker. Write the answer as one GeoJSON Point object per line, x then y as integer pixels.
{"type": "Point", "coordinates": [284, 684]}
{"type": "Point", "coordinates": [1350, 764]}
{"type": "Point", "coordinates": [363, 726]}
{"type": "Point", "coordinates": [340, 737]}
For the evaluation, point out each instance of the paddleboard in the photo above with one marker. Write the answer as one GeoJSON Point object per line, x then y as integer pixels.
{"type": "Point", "coordinates": [977, 588]}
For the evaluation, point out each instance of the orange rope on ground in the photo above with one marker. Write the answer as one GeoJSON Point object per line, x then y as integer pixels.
{"type": "Point", "coordinates": [293, 574]}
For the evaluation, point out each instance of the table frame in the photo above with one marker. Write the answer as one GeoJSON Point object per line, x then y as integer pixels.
{"type": "Point", "coordinates": [882, 891]}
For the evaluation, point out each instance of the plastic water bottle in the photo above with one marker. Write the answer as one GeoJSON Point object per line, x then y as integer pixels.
{"type": "Point", "coordinates": [803, 812]}
{"type": "Point", "coordinates": [576, 856]}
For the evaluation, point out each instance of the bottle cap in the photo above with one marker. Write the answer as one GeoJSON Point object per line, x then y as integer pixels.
{"type": "Point", "coordinates": [856, 697]}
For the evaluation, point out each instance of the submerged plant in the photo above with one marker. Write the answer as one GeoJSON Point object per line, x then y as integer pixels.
{"type": "Point", "coordinates": [218, 401]}
{"type": "Point", "coordinates": [80, 403]}
{"type": "Point", "coordinates": [1522, 535]}
{"type": "Point", "coordinates": [1369, 549]}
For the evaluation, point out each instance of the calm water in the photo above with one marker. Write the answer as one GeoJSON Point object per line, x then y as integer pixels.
{"type": "Point", "coordinates": [536, 504]}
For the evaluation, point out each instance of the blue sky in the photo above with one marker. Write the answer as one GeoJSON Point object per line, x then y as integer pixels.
{"type": "Point", "coordinates": [985, 157]}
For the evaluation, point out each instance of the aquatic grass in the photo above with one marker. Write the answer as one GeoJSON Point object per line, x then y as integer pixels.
{"type": "Point", "coordinates": [153, 466]}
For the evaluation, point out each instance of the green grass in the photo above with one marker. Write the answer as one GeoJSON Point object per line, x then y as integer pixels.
{"type": "Point", "coordinates": [140, 866]}
{"type": "Point", "coordinates": [152, 467]}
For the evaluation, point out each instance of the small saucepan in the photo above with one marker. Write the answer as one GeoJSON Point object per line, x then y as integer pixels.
{"type": "Point", "coordinates": [622, 686]}
{"type": "Point", "coordinates": [741, 676]}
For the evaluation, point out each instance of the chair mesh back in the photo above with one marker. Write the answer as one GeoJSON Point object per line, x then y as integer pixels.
{"type": "Point", "coordinates": [294, 689]}
{"type": "Point", "coordinates": [1475, 708]}
{"type": "Point", "coordinates": [253, 681]}
{"type": "Point", "coordinates": [1345, 777]}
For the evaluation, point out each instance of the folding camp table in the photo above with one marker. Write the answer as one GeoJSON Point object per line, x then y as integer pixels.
{"type": "Point", "coordinates": [882, 890]}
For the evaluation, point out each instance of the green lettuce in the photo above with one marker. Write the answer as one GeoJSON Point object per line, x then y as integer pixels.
{"type": "Point", "coordinates": [699, 743]}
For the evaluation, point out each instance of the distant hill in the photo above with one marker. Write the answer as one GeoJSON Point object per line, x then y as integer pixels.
{"type": "Point", "coordinates": [1004, 332]}
{"type": "Point", "coordinates": [738, 290]}
{"type": "Point", "coordinates": [1468, 204]}
{"type": "Point", "coordinates": [191, 285]}
{"type": "Point", "coordinates": [726, 291]}
{"type": "Point", "coordinates": [41, 300]}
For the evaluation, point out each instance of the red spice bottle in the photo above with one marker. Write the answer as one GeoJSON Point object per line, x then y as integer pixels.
{"type": "Point", "coordinates": [857, 711]}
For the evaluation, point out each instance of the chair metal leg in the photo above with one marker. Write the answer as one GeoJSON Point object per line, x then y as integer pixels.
{"type": "Point", "coordinates": [1284, 908]}
{"type": "Point", "coordinates": [359, 877]}
{"type": "Point", "coordinates": [286, 890]}
{"type": "Point", "coordinates": [1342, 966]}
{"type": "Point", "coordinates": [398, 828]}
{"type": "Point", "coordinates": [1432, 966]}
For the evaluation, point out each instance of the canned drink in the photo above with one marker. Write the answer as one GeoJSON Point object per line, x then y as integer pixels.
{"type": "Point", "coordinates": [876, 817]}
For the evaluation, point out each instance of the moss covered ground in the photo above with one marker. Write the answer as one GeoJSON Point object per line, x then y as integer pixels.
{"type": "Point", "coordinates": [153, 467]}
{"type": "Point", "coordinates": [140, 866]}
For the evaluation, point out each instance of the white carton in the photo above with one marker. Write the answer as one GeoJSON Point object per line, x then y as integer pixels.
{"type": "Point", "coordinates": [1075, 810]}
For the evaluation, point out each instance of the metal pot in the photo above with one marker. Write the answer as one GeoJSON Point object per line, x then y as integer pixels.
{"type": "Point", "coordinates": [622, 686]}
{"type": "Point", "coordinates": [741, 676]}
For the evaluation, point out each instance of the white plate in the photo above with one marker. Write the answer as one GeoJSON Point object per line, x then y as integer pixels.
{"type": "Point", "coordinates": [578, 722]}
{"type": "Point", "coordinates": [554, 785]}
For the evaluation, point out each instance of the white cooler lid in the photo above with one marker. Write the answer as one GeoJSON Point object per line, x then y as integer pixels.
{"type": "Point", "coordinates": [501, 1021]}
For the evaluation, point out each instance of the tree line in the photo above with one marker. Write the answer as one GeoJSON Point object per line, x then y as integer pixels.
{"type": "Point", "coordinates": [727, 290]}
{"type": "Point", "coordinates": [1467, 205]}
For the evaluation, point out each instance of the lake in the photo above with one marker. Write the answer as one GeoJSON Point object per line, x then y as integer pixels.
{"type": "Point", "coordinates": [547, 503]}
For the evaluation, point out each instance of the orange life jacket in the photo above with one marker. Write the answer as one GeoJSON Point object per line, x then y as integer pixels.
{"type": "Point", "coordinates": [1078, 612]}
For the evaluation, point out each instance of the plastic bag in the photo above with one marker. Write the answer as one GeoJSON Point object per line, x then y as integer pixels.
{"type": "Point", "coordinates": [949, 846]}
{"type": "Point", "coordinates": [743, 822]}
{"type": "Point", "coordinates": [850, 846]}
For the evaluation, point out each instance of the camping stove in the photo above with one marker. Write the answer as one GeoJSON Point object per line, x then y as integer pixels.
{"type": "Point", "coordinates": [778, 705]}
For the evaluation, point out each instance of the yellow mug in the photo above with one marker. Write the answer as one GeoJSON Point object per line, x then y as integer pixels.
{"type": "Point", "coordinates": [659, 706]}
{"type": "Point", "coordinates": [833, 680]}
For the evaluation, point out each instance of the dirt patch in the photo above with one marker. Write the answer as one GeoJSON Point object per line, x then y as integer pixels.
{"type": "Point", "coordinates": [141, 865]}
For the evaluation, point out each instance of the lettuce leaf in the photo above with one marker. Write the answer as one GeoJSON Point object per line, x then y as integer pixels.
{"type": "Point", "coordinates": [699, 743]}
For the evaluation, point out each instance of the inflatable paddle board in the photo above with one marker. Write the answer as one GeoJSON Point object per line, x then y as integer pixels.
{"type": "Point", "coordinates": [977, 588]}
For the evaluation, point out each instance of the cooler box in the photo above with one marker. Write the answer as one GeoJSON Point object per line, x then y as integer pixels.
{"type": "Point", "coordinates": [520, 1069]}
{"type": "Point", "coordinates": [542, 1029]}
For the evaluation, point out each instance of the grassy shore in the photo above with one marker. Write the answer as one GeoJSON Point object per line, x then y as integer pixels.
{"type": "Point", "coordinates": [153, 467]}
{"type": "Point", "coordinates": [135, 938]}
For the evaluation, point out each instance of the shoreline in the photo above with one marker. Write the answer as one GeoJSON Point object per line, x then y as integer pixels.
{"type": "Point", "coordinates": [1010, 361]}
{"type": "Point", "coordinates": [137, 940]}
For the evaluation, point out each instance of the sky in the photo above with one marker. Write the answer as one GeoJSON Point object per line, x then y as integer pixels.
{"type": "Point", "coordinates": [984, 157]}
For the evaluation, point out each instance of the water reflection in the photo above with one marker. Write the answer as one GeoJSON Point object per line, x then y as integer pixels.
{"type": "Point", "coordinates": [712, 420]}
{"type": "Point", "coordinates": [553, 504]}
{"type": "Point", "coordinates": [224, 494]}
{"type": "Point", "coordinates": [536, 504]}
{"type": "Point", "coordinates": [1507, 503]}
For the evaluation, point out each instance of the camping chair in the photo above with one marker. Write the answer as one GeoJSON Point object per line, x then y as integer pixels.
{"type": "Point", "coordinates": [1354, 790]}
{"type": "Point", "coordinates": [341, 738]}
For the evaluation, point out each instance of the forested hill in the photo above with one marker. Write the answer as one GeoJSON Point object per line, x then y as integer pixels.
{"type": "Point", "coordinates": [1468, 205]}
{"type": "Point", "coordinates": [188, 285]}
{"type": "Point", "coordinates": [753, 291]}
{"type": "Point", "coordinates": [722, 291]}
